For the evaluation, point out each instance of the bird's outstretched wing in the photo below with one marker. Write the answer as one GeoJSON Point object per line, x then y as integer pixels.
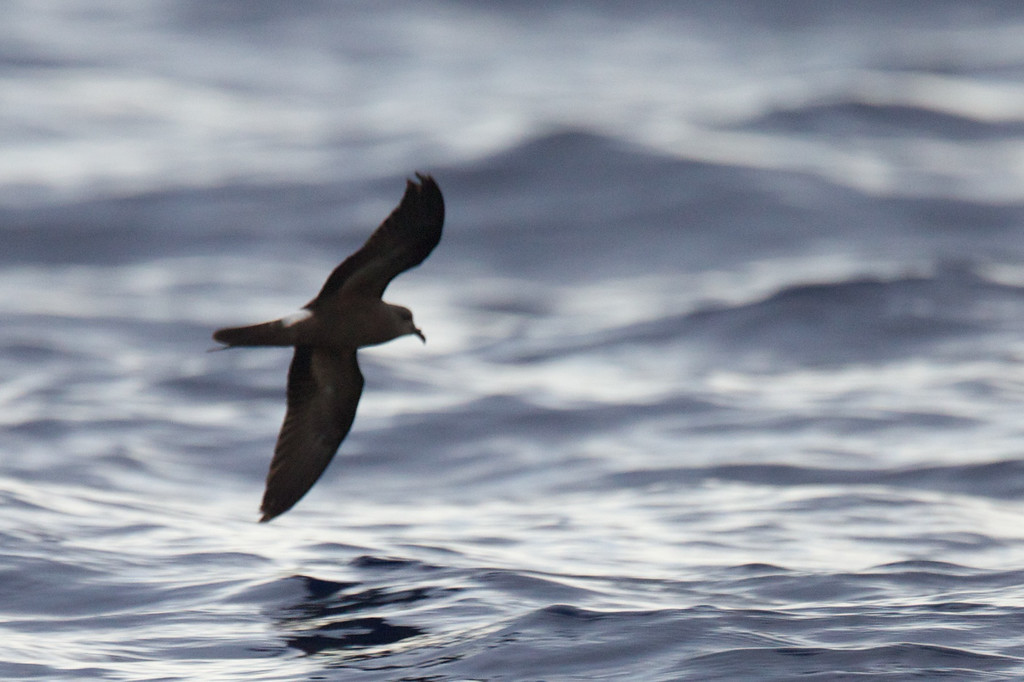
{"type": "Point", "coordinates": [323, 392]}
{"type": "Point", "coordinates": [401, 242]}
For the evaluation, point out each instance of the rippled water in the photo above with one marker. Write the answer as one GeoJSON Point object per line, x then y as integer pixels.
{"type": "Point", "coordinates": [724, 373]}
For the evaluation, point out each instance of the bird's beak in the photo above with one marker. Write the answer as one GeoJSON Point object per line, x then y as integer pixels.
{"type": "Point", "coordinates": [419, 333]}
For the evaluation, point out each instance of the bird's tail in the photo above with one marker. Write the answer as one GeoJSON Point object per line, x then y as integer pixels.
{"type": "Point", "coordinates": [266, 334]}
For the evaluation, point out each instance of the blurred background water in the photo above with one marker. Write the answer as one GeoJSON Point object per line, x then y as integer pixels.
{"type": "Point", "coordinates": [724, 374]}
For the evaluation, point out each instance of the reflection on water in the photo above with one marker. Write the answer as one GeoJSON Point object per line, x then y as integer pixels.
{"type": "Point", "coordinates": [329, 621]}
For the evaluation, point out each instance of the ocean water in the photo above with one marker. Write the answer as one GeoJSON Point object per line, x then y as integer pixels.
{"type": "Point", "coordinates": [725, 366]}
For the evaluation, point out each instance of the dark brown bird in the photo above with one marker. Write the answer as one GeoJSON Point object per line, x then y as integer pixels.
{"type": "Point", "coordinates": [324, 381]}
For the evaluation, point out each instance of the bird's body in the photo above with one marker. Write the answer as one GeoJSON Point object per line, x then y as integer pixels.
{"type": "Point", "coordinates": [324, 381]}
{"type": "Point", "coordinates": [349, 322]}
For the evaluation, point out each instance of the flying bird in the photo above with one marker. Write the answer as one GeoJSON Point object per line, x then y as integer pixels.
{"type": "Point", "coordinates": [324, 381]}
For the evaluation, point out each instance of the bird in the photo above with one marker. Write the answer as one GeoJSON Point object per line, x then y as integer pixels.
{"type": "Point", "coordinates": [324, 381]}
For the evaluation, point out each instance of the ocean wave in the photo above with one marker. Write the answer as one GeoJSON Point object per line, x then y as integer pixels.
{"type": "Point", "coordinates": [858, 118]}
{"type": "Point", "coordinates": [859, 320]}
{"type": "Point", "coordinates": [997, 480]}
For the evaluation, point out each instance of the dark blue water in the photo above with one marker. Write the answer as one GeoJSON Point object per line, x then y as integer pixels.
{"type": "Point", "coordinates": [725, 368]}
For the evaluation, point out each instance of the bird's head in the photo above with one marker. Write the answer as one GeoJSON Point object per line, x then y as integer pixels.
{"type": "Point", "coordinates": [403, 324]}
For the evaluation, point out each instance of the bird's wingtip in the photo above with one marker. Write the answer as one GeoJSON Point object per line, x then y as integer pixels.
{"type": "Point", "coordinates": [268, 511]}
{"type": "Point", "coordinates": [426, 180]}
